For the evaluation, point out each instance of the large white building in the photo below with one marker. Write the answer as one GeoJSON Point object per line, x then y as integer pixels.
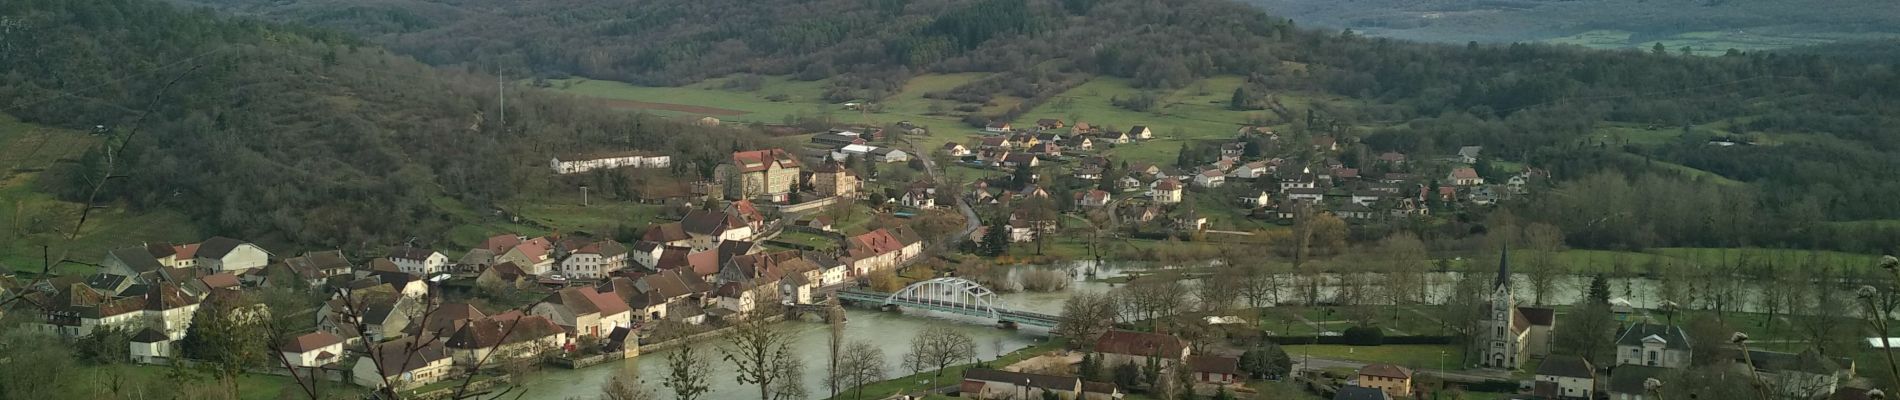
{"type": "Point", "coordinates": [574, 164]}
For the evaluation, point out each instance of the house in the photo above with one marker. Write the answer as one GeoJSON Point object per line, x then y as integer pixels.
{"type": "Point", "coordinates": [136, 262]}
{"type": "Point", "coordinates": [1306, 194]}
{"type": "Point", "coordinates": [1653, 345]}
{"type": "Point", "coordinates": [1395, 381]}
{"type": "Point", "coordinates": [1166, 191]}
{"type": "Point", "coordinates": [1627, 381]}
{"type": "Point", "coordinates": [583, 311]}
{"type": "Point", "coordinates": [578, 163]}
{"type": "Point", "coordinates": [1565, 377]}
{"type": "Point", "coordinates": [316, 267]}
{"type": "Point", "coordinates": [1350, 392]}
{"type": "Point", "coordinates": [1252, 170]}
{"type": "Point", "coordinates": [1261, 198]}
{"type": "Point", "coordinates": [1344, 174]}
{"type": "Point", "coordinates": [1367, 197]}
{"type": "Point", "coordinates": [888, 155]}
{"type": "Point", "coordinates": [1050, 124]}
{"type": "Point", "coordinates": [1020, 159]}
{"type": "Point", "coordinates": [403, 364]}
{"type": "Point", "coordinates": [1080, 142]}
{"type": "Point", "coordinates": [955, 149]}
{"type": "Point", "coordinates": [1140, 132]}
{"type": "Point", "coordinates": [919, 198]}
{"type": "Point", "coordinates": [1211, 178]}
{"type": "Point", "coordinates": [1117, 138]}
{"type": "Point", "coordinates": [1800, 375]}
{"type": "Point", "coordinates": [1051, 149]}
{"type": "Point", "coordinates": [418, 261]}
{"type": "Point", "coordinates": [835, 139]}
{"type": "Point", "coordinates": [1119, 347]}
{"type": "Point", "coordinates": [313, 349]}
{"type": "Point", "coordinates": [997, 127]}
{"type": "Point", "coordinates": [708, 228]}
{"type": "Point", "coordinates": [595, 260]}
{"type": "Point", "coordinates": [1302, 180]}
{"type": "Point", "coordinates": [1144, 169]}
{"type": "Point", "coordinates": [984, 383]}
{"type": "Point", "coordinates": [535, 256]}
{"type": "Point", "coordinates": [881, 249]}
{"type": "Point", "coordinates": [1325, 143]}
{"type": "Point", "coordinates": [76, 310]}
{"type": "Point", "coordinates": [833, 179]}
{"type": "Point", "coordinates": [149, 346]}
{"type": "Point", "coordinates": [663, 295]}
{"type": "Point", "coordinates": [1469, 154]}
{"type": "Point", "coordinates": [1092, 198]}
{"type": "Point", "coordinates": [225, 254]}
{"type": "Point", "coordinates": [1088, 173]}
{"type": "Point", "coordinates": [1215, 369]}
{"type": "Point", "coordinates": [1354, 211]}
{"type": "Point", "coordinates": [503, 275]}
{"type": "Point", "coordinates": [996, 143]}
{"type": "Point", "coordinates": [509, 335]}
{"type": "Point", "coordinates": [1464, 176]}
{"type": "Point", "coordinates": [770, 174]}
{"type": "Point", "coordinates": [1392, 158]}
{"type": "Point", "coordinates": [1127, 184]}
{"type": "Point", "coordinates": [1030, 191]}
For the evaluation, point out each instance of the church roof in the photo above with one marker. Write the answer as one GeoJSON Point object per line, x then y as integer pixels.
{"type": "Point", "coordinates": [1504, 267]}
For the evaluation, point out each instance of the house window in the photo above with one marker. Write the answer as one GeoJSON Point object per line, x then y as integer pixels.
{"type": "Point", "coordinates": [1652, 358]}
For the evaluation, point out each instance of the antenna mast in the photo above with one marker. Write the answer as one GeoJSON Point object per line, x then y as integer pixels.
{"type": "Point", "coordinates": [501, 88]}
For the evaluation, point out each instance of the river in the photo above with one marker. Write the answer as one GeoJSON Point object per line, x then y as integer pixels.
{"type": "Point", "coordinates": [889, 331]}
{"type": "Point", "coordinates": [893, 331]}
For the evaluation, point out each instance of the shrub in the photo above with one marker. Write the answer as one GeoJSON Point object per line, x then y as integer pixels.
{"type": "Point", "coordinates": [1043, 280]}
{"type": "Point", "coordinates": [1364, 336]}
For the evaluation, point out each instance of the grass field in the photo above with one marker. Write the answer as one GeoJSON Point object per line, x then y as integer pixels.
{"type": "Point", "coordinates": [139, 377]}
{"type": "Point", "coordinates": [949, 376]}
{"type": "Point", "coordinates": [1709, 43]}
{"type": "Point", "coordinates": [30, 219]}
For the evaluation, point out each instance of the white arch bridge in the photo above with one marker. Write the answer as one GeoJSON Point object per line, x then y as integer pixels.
{"type": "Point", "coordinates": [950, 295]}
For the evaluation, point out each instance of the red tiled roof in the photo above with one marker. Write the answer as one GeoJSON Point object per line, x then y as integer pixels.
{"type": "Point", "coordinates": [759, 160]}
{"type": "Point", "coordinates": [310, 341]}
{"type": "Point", "coordinates": [1140, 343]}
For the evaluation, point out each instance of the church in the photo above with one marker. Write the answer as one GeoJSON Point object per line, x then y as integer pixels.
{"type": "Point", "coordinates": [1510, 334]}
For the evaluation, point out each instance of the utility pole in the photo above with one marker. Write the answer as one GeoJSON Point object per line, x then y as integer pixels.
{"type": "Point", "coordinates": [583, 195]}
{"type": "Point", "coordinates": [501, 89]}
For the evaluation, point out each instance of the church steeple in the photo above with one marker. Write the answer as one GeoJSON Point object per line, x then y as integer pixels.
{"type": "Point", "coordinates": [1504, 267]}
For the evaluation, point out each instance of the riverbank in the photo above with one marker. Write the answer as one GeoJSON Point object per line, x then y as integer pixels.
{"type": "Point", "coordinates": [947, 377]}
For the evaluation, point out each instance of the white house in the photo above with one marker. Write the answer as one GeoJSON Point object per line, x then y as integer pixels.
{"type": "Point", "coordinates": [1653, 345]}
{"type": "Point", "coordinates": [225, 254]}
{"type": "Point", "coordinates": [1211, 178]}
{"type": "Point", "coordinates": [1308, 194]}
{"type": "Point", "coordinates": [508, 335]}
{"type": "Point", "coordinates": [584, 311]}
{"type": "Point", "coordinates": [889, 155]}
{"type": "Point", "coordinates": [1256, 200]}
{"type": "Point", "coordinates": [1469, 154]}
{"type": "Point", "coordinates": [150, 346]}
{"type": "Point", "coordinates": [954, 149]}
{"type": "Point", "coordinates": [578, 163]}
{"type": "Point", "coordinates": [313, 349]}
{"type": "Point", "coordinates": [1565, 377]}
{"type": "Point", "coordinates": [1140, 132]}
{"type": "Point", "coordinates": [401, 366]}
{"type": "Point", "coordinates": [1366, 197]}
{"type": "Point", "coordinates": [919, 198]}
{"type": "Point", "coordinates": [596, 260]}
{"type": "Point", "coordinates": [419, 261]}
{"type": "Point", "coordinates": [1166, 191]}
{"type": "Point", "coordinates": [1252, 170]}
{"type": "Point", "coordinates": [1092, 198]}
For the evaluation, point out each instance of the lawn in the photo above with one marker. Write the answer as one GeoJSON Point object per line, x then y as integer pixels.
{"type": "Point", "coordinates": [949, 376]}
{"type": "Point", "coordinates": [30, 219]}
{"type": "Point", "coordinates": [1415, 356]}
{"type": "Point", "coordinates": [250, 386]}
{"type": "Point", "coordinates": [599, 217]}
{"type": "Point", "coordinates": [1408, 320]}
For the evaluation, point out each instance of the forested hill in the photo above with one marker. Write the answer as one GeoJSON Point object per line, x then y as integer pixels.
{"type": "Point", "coordinates": [284, 135]}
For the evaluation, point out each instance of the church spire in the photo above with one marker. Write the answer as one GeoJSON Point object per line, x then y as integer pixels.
{"type": "Point", "coordinates": [1504, 266]}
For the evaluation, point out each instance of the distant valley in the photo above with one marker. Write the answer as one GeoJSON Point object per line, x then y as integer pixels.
{"type": "Point", "coordinates": [1708, 27]}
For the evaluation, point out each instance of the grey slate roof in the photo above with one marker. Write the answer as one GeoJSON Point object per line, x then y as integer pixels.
{"type": "Point", "coordinates": [1672, 336]}
{"type": "Point", "coordinates": [1359, 393]}
{"type": "Point", "coordinates": [1629, 378]}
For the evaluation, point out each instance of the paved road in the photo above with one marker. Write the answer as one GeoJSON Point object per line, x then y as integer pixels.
{"type": "Point", "coordinates": [1466, 376]}
{"type": "Point", "coordinates": [969, 215]}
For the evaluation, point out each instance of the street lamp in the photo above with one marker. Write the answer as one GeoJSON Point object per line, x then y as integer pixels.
{"type": "Point", "coordinates": [1741, 340]}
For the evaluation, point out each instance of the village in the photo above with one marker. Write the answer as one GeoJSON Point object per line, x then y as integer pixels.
{"type": "Point", "coordinates": [763, 238]}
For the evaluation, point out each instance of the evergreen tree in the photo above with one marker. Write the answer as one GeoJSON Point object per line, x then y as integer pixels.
{"type": "Point", "coordinates": [1599, 290]}
{"type": "Point", "coordinates": [1240, 100]}
{"type": "Point", "coordinates": [1023, 176]}
{"type": "Point", "coordinates": [996, 239]}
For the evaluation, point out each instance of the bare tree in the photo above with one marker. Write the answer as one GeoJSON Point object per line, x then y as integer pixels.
{"type": "Point", "coordinates": [1219, 292]}
{"type": "Point", "coordinates": [1260, 286]}
{"type": "Point", "coordinates": [756, 350]}
{"type": "Point", "coordinates": [1405, 271]}
{"type": "Point", "coordinates": [1545, 268]}
{"type": "Point", "coordinates": [862, 363]}
{"type": "Point", "coordinates": [788, 386]}
{"type": "Point", "coordinates": [625, 387]}
{"type": "Point", "coordinates": [834, 318]}
{"type": "Point", "coordinates": [1086, 316]}
{"type": "Point", "coordinates": [687, 371]}
{"type": "Point", "coordinates": [938, 348]}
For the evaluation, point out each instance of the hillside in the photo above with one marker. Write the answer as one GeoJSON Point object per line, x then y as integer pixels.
{"type": "Point", "coordinates": [1711, 27]}
{"type": "Point", "coordinates": [287, 136]}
